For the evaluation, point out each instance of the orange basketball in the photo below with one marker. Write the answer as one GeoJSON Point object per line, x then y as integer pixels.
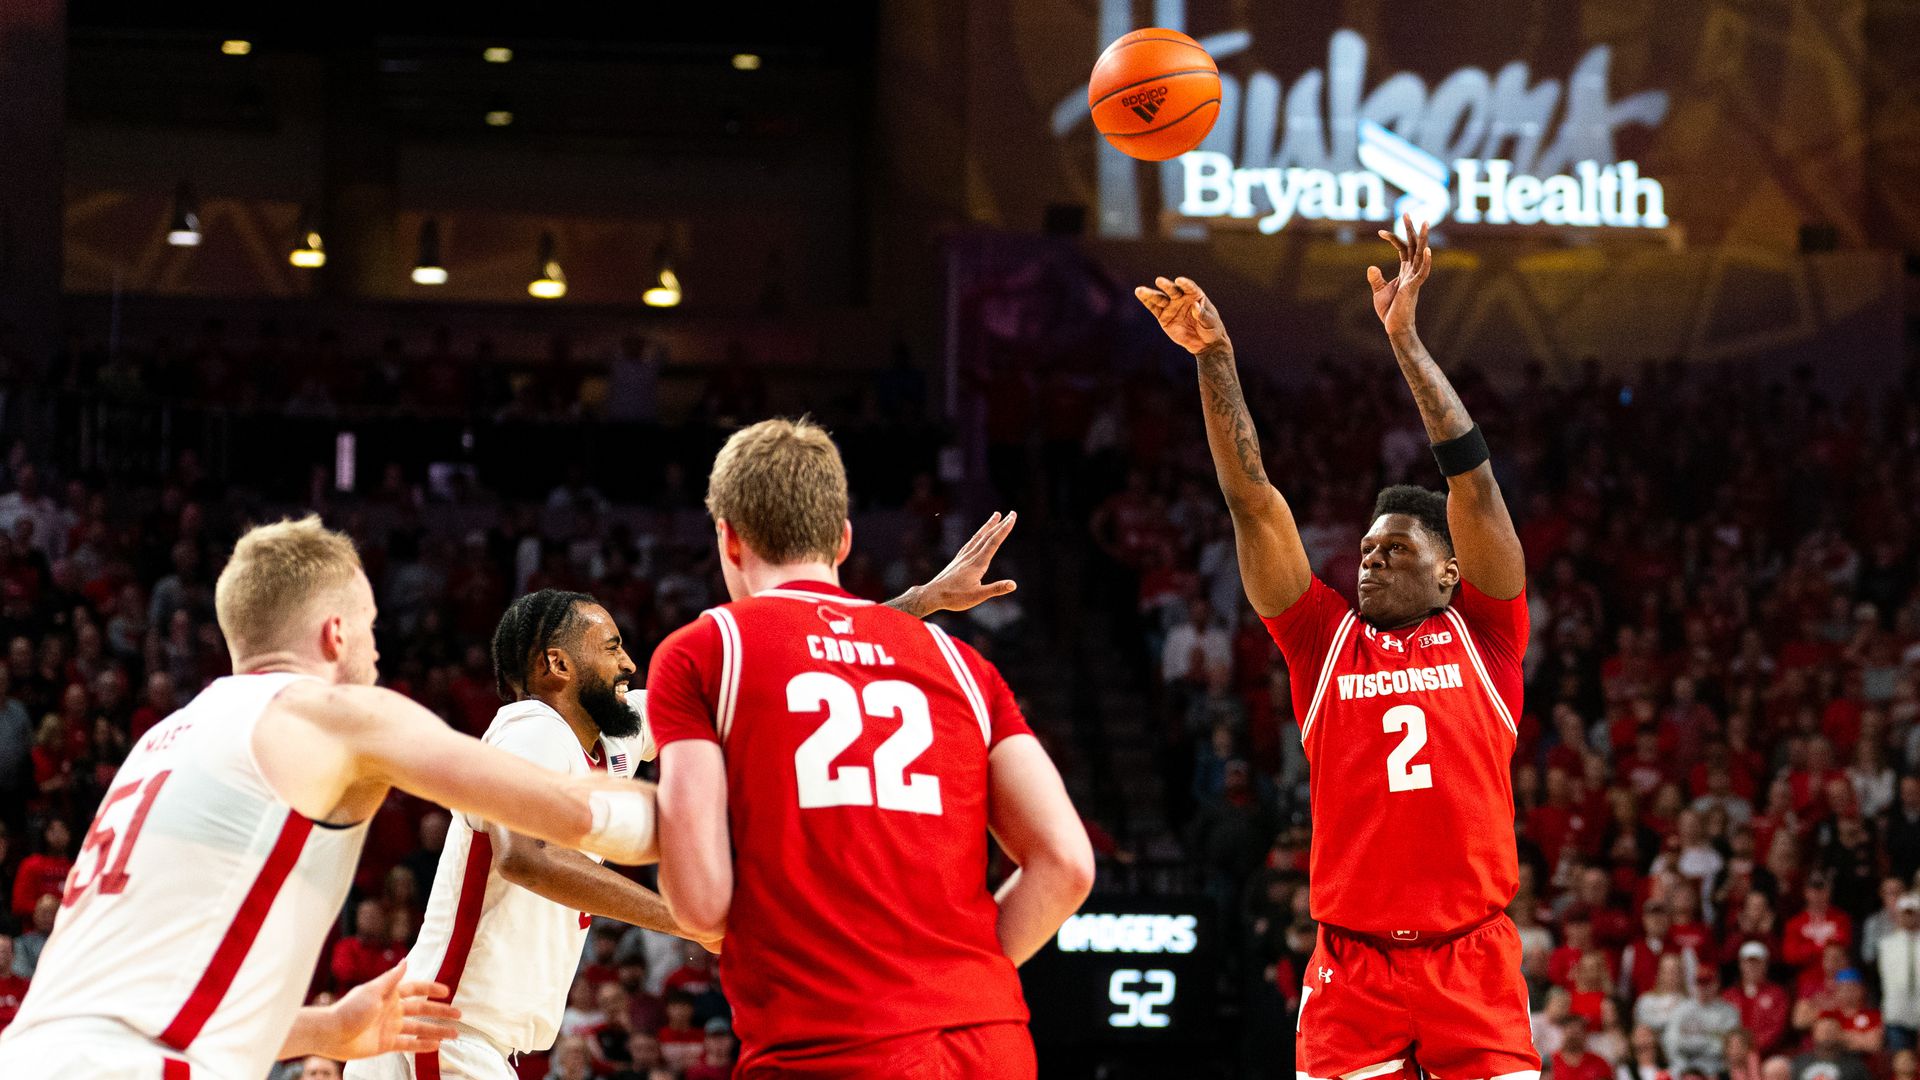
{"type": "Point", "coordinates": [1154, 94]}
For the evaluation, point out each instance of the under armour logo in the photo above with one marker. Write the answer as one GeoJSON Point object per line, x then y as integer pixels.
{"type": "Point", "coordinates": [1326, 975]}
{"type": "Point", "coordinates": [1394, 644]}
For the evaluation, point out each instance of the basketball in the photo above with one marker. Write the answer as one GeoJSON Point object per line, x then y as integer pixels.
{"type": "Point", "coordinates": [1154, 94]}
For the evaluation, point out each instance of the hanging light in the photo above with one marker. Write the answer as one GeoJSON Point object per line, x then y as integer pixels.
{"type": "Point", "coordinates": [746, 61]}
{"type": "Point", "coordinates": [183, 230]}
{"type": "Point", "coordinates": [307, 251]}
{"type": "Point", "coordinates": [665, 290]}
{"type": "Point", "coordinates": [236, 47]}
{"type": "Point", "coordinates": [551, 284]}
{"type": "Point", "coordinates": [426, 266]}
{"type": "Point", "coordinates": [497, 54]}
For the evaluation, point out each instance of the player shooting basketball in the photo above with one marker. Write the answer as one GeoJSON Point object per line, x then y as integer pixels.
{"type": "Point", "coordinates": [1406, 711]}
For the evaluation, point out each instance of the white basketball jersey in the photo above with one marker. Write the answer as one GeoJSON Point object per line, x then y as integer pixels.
{"type": "Point", "coordinates": [508, 954]}
{"type": "Point", "coordinates": [198, 902]}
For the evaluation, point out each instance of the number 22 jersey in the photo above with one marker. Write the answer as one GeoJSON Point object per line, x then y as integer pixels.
{"type": "Point", "coordinates": [856, 741]}
{"type": "Point", "coordinates": [1409, 735]}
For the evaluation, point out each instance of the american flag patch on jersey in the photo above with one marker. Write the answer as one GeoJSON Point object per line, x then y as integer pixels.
{"type": "Point", "coordinates": [617, 762]}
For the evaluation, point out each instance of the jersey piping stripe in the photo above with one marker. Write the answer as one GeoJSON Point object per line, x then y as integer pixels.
{"type": "Point", "coordinates": [1473, 654]}
{"type": "Point", "coordinates": [466, 914]}
{"type": "Point", "coordinates": [825, 598]}
{"type": "Point", "coordinates": [426, 1066]}
{"type": "Point", "coordinates": [964, 676]}
{"type": "Point", "coordinates": [175, 1069]}
{"type": "Point", "coordinates": [1531, 1074]}
{"type": "Point", "coordinates": [1326, 674]}
{"type": "Point", "coordinates": [233, 948]}
{"type": "Point", "coordinates": [729, 669]}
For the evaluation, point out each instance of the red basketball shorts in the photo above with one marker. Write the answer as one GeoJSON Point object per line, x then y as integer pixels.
{"type": "Point", "coordinates": [1457, 1008]}
{"type": "Point", "coordinates": [977, 1052]}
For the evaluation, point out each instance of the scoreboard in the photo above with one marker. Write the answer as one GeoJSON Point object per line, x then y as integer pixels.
{"type": "Point", "coordinates": [1126, 972]}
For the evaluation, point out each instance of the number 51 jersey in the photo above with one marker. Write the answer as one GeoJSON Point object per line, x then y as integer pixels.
{"type": "Point", "coordinates": [856, 741]}
{"type": "Point", "coordinates": [1409, 736]}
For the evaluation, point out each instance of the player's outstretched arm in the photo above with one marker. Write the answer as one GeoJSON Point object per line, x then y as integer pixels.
{"type": "Point", "coordinates": [383, 1016]}
{"type": "Point", "coordinates": [1037, 826]}
{"type": "Point", "coordinates": [1273, 562]}
{"type": "Point", "coordinates": [572, 880]}
{"type": "Point", "coordinates": [961, 585]}
{"type": "Point", "coordinates": [696, 845]}
{"type": "Point", "coordinates": [1484, 539]}
{"type": "Point", "coordinates": [353, 741]}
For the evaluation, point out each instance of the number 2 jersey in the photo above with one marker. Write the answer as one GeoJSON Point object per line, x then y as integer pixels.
{"type": "Point", "coordinates": [198, 902]}
{"type": "Point", "coordinates": [856, 741]}
{"type": "Point", "coordinates": [1409, 736]}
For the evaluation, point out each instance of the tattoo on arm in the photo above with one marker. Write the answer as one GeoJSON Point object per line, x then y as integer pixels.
{"type": "Point", "coordinates": [1227, 416]}
{"type": "Point", "coordinates": [1440, 408]}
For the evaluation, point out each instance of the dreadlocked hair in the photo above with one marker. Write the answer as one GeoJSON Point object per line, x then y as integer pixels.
{"type": "Point", "coordinates": [1422, 504]}
{"type": "Point", "coordinates": [529, 628]}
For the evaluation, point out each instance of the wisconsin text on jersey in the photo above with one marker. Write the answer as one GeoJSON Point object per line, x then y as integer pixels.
{"type": "Point", "coordinates": [1406, 680]}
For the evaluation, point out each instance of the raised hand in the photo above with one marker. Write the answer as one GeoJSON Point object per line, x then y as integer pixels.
{"type": "Point", "coordinates": [961, 585]}
{"type": "Point", "coordinates": [1395, 298]}
{"type": "Point", "coordinates": [1185, 313]}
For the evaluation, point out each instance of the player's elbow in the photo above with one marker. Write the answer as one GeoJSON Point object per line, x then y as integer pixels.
{"type": "Point", "coordinates": [702, 916]}
{"type": "Point", "coordinates": [1066, 861]}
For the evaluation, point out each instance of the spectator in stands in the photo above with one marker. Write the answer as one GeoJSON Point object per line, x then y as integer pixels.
{"type": "Point", "coordinates": [425, 860]}
{"type": "Point", "coordinates": [1763, 1005]}
{"type": "Point", "coordinates": [716, 1056]}
{"type": "Point", "coordinates": [1743, 1061]}
{"type": "Point", "coordinates": [582, 1013]}
{"type": "Point", "coordinates": [44, 873]}
{"type": "Point", "coordinates": [1572, 1061]}
{"type": "Point", "coordinates": [1818, 925]}
{"type": "Point", "coordinates": [1829, 1059]}
{"type": "Point", "coordinates": [1903, 829]}
{"type": "Point", "coordinates": [1655, 1008]}
{"type": "Point", "coordinates": [27, 947]}
{"type": "Point", "coordinates": [13, 987]}
{"type": "Point", "coordinates": [1640, 961]}
{"type": "Point", "coordinates": [1883, 921]}
{"type": "Point", "coordinates": [1646, 1060]}
{"type": "Point", "coordinates": [1695, 1038]}
{"type": "Point", "coordinates": [1860, 1026]}
{"type": "Point", "coordinates": [1192, 650]}
{"type": "Point", "coordinates": [370, 951]}
{"type": "Point", "coordinates": [1899, 963]}
{"type": "Point", "coordinates": [570, 1060]}
{"type": "Point", "coordinates": [681, 1043]}
{"type": "Point", "coordinates": [319, 1068]}
{"type": "Point", "coordinates": [643, 1056]}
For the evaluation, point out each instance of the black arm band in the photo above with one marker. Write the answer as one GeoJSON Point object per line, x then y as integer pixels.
{"type": "Point", "coordinates": [1463, 454]}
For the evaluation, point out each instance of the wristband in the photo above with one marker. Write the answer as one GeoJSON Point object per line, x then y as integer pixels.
{"type": "Point", "coordinates": [1464, 454]}
{"type": "Point", "coordinates": [623, 826]}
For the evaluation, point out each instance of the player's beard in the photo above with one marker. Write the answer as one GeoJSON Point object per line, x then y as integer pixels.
{"type": "Point", "coordinates": [609, 709]}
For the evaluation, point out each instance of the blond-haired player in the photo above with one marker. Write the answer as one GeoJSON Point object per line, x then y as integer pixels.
{"type": "Point", "coordinates": [201, 895]}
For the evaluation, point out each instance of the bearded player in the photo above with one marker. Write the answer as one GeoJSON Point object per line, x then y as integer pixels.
{"type": "Point", "coordinates": [1407, 718]}
{"type": "Point", "coordinates": [831, 769]}
{"type": "Point", "coordinates": [508, 914]}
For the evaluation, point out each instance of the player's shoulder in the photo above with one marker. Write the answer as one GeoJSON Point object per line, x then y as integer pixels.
{"type": "Point", "coordinates": [529, 718]}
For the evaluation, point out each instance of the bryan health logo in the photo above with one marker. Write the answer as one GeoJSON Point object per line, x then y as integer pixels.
{"type": "Point", "coordinates": [1478, 148]}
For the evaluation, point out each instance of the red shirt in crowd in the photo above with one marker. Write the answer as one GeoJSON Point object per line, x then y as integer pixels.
{"type": "Point", "coordinates": [1588, 1066]}
{"type": "Point", "coordinates": [1692, 937]}
{"type": "Point", "coordinates": [12, 989]}
{"type": "Point", "coordinates": [357, 960]}
{"type": "Point", "coordinates": [1808, 934]}
{"type": "Point", "coordinates": [39, 875]}
{"type": "Point", "coordinates": [1763, 1011]}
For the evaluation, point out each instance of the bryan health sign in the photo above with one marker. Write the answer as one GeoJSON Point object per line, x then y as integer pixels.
{"type": "Point", "coordinates": [1498, 149]}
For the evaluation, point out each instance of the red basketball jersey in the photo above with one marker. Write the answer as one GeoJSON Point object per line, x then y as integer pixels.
{"type": "Point", "coordinates": [1408, 736]}
{"type": "Point", "coordinates": [856, 741]}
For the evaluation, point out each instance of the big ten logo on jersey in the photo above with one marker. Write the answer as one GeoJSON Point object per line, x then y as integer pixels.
{"type": "Point", "coordinates": [840, 649]}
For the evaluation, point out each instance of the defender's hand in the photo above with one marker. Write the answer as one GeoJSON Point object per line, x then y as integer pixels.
{"type": "Point", "coordinates": [959, 586]}
{"type": "Point", "coordinates": [1394, 299]}
{"type": "Point", "coordinates": [1185, 313]}
{"type": "Point", "coordinates": [388, 1015]}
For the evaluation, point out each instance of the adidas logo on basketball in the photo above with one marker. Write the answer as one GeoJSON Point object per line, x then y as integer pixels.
{"type": "Point", "coordinates": [1146, 104]}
